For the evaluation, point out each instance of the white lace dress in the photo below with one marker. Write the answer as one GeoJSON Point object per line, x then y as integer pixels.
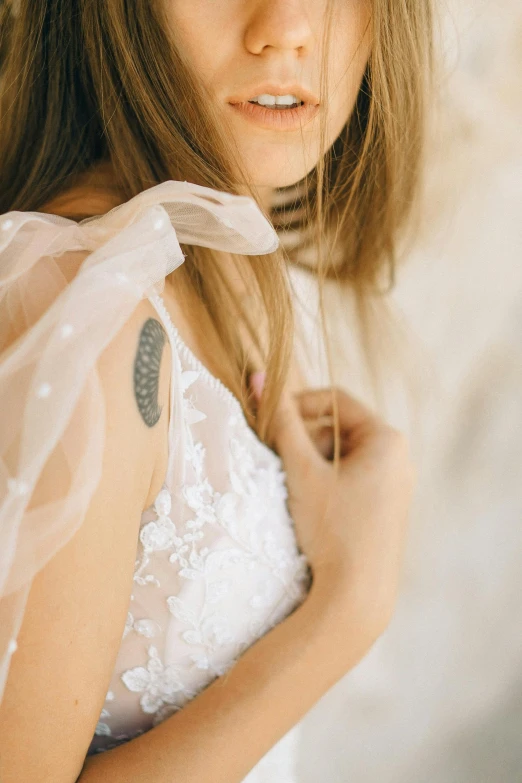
{"type": "Point", "coordinates": [217, 565]}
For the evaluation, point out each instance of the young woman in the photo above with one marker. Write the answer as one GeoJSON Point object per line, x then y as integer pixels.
{"type": "Point", "coordinates": [190, 560]}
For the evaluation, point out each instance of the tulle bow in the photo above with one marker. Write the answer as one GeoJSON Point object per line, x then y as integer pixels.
{"type": "Point", "coordinates": [60, 308]}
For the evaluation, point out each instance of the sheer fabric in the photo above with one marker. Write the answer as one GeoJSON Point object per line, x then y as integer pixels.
{"type": "Point", "coordinates": [66, 288]}
{"type": "Point", "coordinates": [217, 562]}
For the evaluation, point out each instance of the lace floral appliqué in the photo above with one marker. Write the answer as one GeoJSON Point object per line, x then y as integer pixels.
{"type": "Point", "coordinates": [209, 581]}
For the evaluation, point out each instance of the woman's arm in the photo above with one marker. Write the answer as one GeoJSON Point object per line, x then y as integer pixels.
{"type": "Point", "coordinates": [225, 730]}
{"type": "Point", "coordinates": [77, 605]}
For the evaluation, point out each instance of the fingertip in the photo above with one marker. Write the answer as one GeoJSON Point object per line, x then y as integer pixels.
{"type": "Point", "coordinates": [257, 382]}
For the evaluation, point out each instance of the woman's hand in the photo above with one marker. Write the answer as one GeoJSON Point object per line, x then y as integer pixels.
{"type": "Point", "coordinates": [351, 528]}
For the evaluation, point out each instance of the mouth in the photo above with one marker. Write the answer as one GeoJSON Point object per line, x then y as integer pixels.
{"type": "Point", "coordinates": [278, 106]}
{"type": "Point", "coordinates": [270, 92]}
{"type": "Point", "coordinates": [274, 107]}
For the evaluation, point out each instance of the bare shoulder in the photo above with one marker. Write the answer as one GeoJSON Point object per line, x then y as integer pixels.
{"type": "Point", "coordinates": [135, 371]}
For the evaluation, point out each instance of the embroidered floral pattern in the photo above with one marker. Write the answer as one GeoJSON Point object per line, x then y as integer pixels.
{"type": "Point", "coordinates": [158, 684]}
{"type": "Point", "coordinates": [210, 578]}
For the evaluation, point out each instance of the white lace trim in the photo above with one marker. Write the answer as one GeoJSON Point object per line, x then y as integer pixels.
{"type": "Point", "coordinates": [211, 379]}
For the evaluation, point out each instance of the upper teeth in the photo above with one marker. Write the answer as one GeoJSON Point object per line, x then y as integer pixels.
{"type": "Point", "coordinates": [271, 100]}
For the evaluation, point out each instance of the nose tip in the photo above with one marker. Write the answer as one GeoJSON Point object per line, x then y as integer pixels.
{"type": "Point", "coordinates": [279, 26]}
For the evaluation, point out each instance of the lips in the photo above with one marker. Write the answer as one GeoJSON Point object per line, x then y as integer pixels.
{"type": "Point", "coordinates": [274, 119]}
{"type": "Point", "coordinates": [271, 88]}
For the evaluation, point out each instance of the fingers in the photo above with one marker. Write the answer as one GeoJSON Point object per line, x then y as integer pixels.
{"type": "Point", "coordinates": [288, 431]}
{"type": "Point", "coordinates": [318, 404]}
{"type": "Point", "coordinates": [302, 425]}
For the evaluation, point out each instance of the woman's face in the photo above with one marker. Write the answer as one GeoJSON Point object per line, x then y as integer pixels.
{"type": "Point", "coordinates": [245, 48]}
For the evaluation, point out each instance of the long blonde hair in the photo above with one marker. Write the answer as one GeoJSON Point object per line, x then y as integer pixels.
{"type": "Point", "coordinates": [87, 82]}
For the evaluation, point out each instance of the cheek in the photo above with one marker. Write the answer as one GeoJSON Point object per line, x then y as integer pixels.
{"type": "Point", "coordinates": [192, 26]}
{"type": "Point", "coordinates": [348, 55]}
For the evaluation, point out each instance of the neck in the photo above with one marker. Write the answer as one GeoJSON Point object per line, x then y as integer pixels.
{"type": "Point", "coordinates": [266, 197]}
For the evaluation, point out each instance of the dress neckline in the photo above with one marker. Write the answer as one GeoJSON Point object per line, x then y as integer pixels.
{"type": "Point", "coordinates": [237, 418]}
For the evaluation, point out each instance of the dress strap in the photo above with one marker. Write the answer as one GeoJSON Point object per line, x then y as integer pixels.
{"type": "Point", "coordinates": [177, 431]}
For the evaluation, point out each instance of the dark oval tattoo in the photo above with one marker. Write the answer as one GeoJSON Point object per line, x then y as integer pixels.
{"type": "Point", "coordinates": [147, 370]}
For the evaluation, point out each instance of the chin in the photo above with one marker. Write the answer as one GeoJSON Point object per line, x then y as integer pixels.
{"type": "Point", "coordinates": [292, 176]}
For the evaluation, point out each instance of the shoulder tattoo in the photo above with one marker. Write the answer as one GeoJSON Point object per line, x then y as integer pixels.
{"type": "Point", "coordinates": [147, 370]}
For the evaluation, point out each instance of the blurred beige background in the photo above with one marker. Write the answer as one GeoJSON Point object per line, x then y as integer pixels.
{"type": "Point", "coordinates": [438, 699]}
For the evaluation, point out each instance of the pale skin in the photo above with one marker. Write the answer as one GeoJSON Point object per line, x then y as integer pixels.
{"type": "Point", "coordinates": [355, 550]}
{"type": "Point", "coordinates": [278, 41]}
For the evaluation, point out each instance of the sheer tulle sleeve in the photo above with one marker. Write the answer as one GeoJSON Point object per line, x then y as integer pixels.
{"type": "Point", "coordinates": [66, 289]}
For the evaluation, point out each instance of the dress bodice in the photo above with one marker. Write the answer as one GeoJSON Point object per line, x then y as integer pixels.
{"type": "Point", "coordinates": [217, 562]}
